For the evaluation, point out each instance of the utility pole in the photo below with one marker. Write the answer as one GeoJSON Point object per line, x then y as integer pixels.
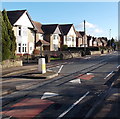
{"type": "Point", "coordinates": [84, 37]}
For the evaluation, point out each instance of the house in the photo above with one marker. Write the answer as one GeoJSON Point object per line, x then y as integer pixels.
{"type": "Point", "coordinates": [78, 39]}
{"type": "Point", "coordinates": [89, 41]}
{"type": "Point", "coordinates": [84, 39]}
{"type": "Point", "coordinates": [99, 43]}
{"type": "Point", "coordinates": [103, 41]}
{"type": "Point", "coordinates": [24, 31]}
{"type": "Point", "coordinates": [94, 42]}
{"type": "Point", "coordinates": [52, 35]}
{"type": "Point", "coordinates": [68, 36]}
{"type": "Point", "coordinates": [40, 43]}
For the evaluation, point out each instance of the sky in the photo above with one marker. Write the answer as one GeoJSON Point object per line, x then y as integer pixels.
{"type": "Point", "coordinates": [100, 17]}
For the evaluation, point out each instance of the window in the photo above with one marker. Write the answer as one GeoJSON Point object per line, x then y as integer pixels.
{"type": "Point", "coordinates": [55, 47]}
{"type": "Point", "coordinates": [30, 48]}
{"type": "Point", "coordinates": [73, 39]}
{"type": "Point", "coordinates": [23, 48]}
{"type": "Point", "coordinates": [19, 31]}
{"type": "Point", "coordinates": [55, 37]}
{"type": "Point", "coordinates": [19, 47]}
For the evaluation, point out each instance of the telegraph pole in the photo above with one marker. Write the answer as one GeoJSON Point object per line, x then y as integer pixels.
{"type": "Point", "coordinates": [84, 37]}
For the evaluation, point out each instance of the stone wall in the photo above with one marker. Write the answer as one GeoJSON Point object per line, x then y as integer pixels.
{"type": "Point", "coordinates": [11, 63]}
{"type": "Point", "coordinates": [95, 52]}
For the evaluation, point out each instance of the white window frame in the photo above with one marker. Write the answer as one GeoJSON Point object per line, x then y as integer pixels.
{"type": "Point", "coordinates": [19, 31]}
{"type": "Point", "coordinates": [19, 47]}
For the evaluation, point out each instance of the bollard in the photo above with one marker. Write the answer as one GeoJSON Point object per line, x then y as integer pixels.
{"type": "Point", "coordinates": [41, 65]}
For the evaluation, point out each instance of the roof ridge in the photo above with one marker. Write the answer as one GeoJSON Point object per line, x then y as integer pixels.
{"type": "Point", "coordinates": [15, 10]}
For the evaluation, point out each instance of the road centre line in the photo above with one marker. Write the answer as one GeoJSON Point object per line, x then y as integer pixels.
{"type": "Point", "coordinates": [74, 104]}
{"type": "Point", "coordinates": [60, 69]}
{"type": "Point", "coordinates": [108, 75]}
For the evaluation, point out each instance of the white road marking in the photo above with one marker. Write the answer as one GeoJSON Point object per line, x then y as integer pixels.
{"type": "Point", "coordinates": [118, 66]}
{"type": "Point", "coordinates": [108, 75]}
{"type": "Point", "coordinates": [87, 57]}
{"type": "Point", "coordinates": [48, 95]}
{"type": "Point", "coordinates": [89, 73]}
{"type": "Point", "coordinates": [49, 70]}
{"type": "Point", "coordinates": [75, 81]}
{"type": "Point", "coordinates": [60, 69]}
{"type": "Point", "coordinates": [8, 117]}
{"type": "Point", "coordinates": [74, 104]}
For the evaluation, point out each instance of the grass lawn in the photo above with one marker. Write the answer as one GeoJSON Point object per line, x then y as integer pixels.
{"type": "Point", "coordinates": [52, 58]}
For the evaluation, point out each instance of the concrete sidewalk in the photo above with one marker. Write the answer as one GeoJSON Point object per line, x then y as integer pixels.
{"type": "Point", "coordinates": [25, 81]}
{"type": "Point", "coordinates": [28, 68]}
{"type": "Point", "coordinates": [110, 107]}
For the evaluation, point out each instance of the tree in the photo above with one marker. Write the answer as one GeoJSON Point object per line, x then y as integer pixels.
{"type": "Point", "coordinates": [8, 38]}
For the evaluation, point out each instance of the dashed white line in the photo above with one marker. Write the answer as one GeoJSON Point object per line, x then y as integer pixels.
{"type": "Point", "coordinates": [60, 69]}
{"type": "Point", "coordinates": [108, 75]}
{"type": "Point", "coordinates": [74, 104]}
{"type": "Point", "coordinates": [118, 66]}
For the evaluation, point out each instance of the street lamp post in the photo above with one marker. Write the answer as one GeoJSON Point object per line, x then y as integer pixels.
{"type": "Point", "coordinates": [84, 37]}
{"type": "Point", "coordinates": [110, 36]}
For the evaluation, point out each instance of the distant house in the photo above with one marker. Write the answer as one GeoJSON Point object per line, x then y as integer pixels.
{"type": "Point", "coordinates": [79, 39]}
{"type": "Point", "coordinates": [68, 36]}
{"type": "Point", "coordinates": [103, 41]}
{"type": "Point", "coordinates": [24, 31]}
{"type": "Point", "coordinates": [84, 39]}
{"type": "Point", "coordinates": [99, 43]}
{"type": "Point", "coordinates": [94, 42]}
{"type": "Point", "coordinates": [89, 41]}
{"type": "Point", "coordinates": [40, 43]}
{"type": "Point", "coordinates": [52, 35]}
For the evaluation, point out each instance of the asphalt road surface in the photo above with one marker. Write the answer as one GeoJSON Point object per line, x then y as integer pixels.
{"type": "Point", "coordinates": [80, 85]}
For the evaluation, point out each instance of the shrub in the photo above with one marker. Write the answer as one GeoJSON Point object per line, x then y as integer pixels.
{"type": "Point", "coordinates": [64, 47]}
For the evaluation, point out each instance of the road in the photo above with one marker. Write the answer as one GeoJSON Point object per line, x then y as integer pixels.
{"type": "Point", "coordinates": [73, 94]}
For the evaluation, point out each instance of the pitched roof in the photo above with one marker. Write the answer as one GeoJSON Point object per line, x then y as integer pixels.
{"type": "Point", "coordinates": [78, 34]}
{"type": "Point", "coordinates": [49, 29]}
{"type": "Point", "coordinates": [82, 33]}
{"type": "Point", "coordinates": [40, 42]}
{"type": "Point", "coordinates": [89, 37]}
{"type": "Point", "coordinates": [14, 15]}
{"type": "Point", "coordinates": [38, 26]}
{"type": "Point", "coordinates": [65, 28]}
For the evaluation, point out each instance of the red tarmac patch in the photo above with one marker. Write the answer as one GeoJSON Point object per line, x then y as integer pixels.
{"type": "Point", "coordinates": [28, 108]}
{"type": "Point", "coordinates": [86, 76]}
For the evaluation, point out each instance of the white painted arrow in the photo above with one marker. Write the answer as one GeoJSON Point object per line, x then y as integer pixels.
{"type": "Point", "coordinates": [48, 95]}
{"type": "Point", "coordinates": [75, 81]}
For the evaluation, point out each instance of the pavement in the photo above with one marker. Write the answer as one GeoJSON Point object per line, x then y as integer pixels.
{"type": "Point", "coordinates": [19, 78]}
{"type": "Point", "coordinates": [110, 106]}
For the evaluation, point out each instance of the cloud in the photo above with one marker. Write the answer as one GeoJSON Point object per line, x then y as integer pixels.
{"type": "Point", "coordinates": [91, 29]}
{"type": "Point", "coordinates": [97, 30]}
{"type": "Point", "coordinates": [87, 25]}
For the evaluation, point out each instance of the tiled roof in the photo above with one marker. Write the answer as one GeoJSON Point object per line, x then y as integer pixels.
{"type": "Point", "coordinates": [82, 33]}
{"type": "Point", "coordinates": [65, 28]}
{"type": "Point", "coordinates": [40, 42]}
{"type": "Point", "coordinates": [14, 15]}
{"type": "Point", "coordinates": [78, 34]}
{"type": "Point", "coordinates": [38, 26]}
{"type": "Point", "coordinates": [49, 29]}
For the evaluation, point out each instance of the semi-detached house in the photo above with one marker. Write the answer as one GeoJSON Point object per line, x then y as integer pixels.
{"type": "Point", "coordinates": [68, 35]}
{"type": "Point", "coordinates": [24, 31]}
{"type": "Point", "coordinates": [52, 35]}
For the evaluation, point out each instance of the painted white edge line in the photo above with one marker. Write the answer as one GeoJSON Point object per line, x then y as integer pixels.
{"type": "Point", "coordinates": [74, 104]}
{"type": "Point", "coordinates": [108, 75]}
{"type": "Point", "coordinates": [60, 69]}
{"type": "Point", "coordinates": [118, 66]}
